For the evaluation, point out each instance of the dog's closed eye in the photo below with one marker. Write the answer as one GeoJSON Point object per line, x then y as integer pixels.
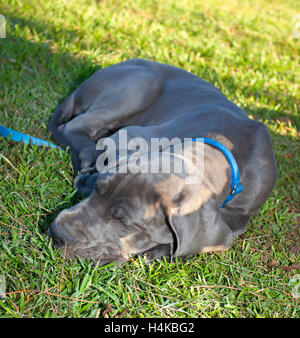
{"type": "Point", "coordinates": [117, 212]}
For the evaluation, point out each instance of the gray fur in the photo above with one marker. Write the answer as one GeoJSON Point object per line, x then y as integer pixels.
{"type": "Point", "coordinates": [157, 214]}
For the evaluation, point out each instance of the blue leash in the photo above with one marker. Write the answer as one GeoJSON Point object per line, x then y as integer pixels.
{"type": "Point", "coordinates": [236, 186]}
{"type": "Point", "coordinates": [20, 137]}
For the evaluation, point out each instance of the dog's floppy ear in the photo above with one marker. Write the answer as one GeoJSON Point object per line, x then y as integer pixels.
{"type": "Point", "coordinates": [200, 230]}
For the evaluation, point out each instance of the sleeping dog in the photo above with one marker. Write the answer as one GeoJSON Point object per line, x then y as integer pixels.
{"type": "Point", "coordinates": [162, 213]}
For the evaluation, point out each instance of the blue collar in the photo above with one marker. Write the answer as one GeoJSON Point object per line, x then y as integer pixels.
{"type": "Point", "coordinates": [236, 186]}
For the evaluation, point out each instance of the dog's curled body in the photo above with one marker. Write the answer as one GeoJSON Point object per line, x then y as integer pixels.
{"type": "Point", "coordinates": [158, 214]}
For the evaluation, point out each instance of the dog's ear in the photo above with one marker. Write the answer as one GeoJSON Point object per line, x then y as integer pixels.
{"type": "Point", "coordinates": [259, 174]}
{"type": "Point", "coordinates": [200, 229]}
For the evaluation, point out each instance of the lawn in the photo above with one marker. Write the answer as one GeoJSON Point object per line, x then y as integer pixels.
{"type": "Point", "coordinates": [248, 50]}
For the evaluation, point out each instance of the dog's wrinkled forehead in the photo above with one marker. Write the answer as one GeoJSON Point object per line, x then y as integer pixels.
{"type": "Point", "coordinates": [134, 191]}
{"type": "Point", "coordinates": [151, 178]}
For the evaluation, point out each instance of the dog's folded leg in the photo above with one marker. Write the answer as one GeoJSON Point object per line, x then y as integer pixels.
{"type": "Point", "coordinates": [115, 101]}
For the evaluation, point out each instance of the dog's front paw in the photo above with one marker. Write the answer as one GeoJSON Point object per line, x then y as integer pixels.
{"type": "Point", "coordinates": [84, 183]}
{"type": "Point", "coordinates": [87, 156]}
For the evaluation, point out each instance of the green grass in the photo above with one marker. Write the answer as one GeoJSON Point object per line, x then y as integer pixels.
{"type": "Point", "coordinates": [247, 50]}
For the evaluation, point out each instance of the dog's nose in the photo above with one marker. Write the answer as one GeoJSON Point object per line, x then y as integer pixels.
{"type": "Point", "coordinates": [58, 233]}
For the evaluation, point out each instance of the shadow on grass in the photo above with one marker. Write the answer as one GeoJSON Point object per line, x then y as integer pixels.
{"type": "Point", "coordinates": [36, 75]}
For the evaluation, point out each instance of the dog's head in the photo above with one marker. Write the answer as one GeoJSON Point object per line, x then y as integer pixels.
{"type": "Point", "coordinates": [158, 214]}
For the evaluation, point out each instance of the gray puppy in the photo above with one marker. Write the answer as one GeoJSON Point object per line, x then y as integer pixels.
{"type": "Point", "coordinates": [160, 214]}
